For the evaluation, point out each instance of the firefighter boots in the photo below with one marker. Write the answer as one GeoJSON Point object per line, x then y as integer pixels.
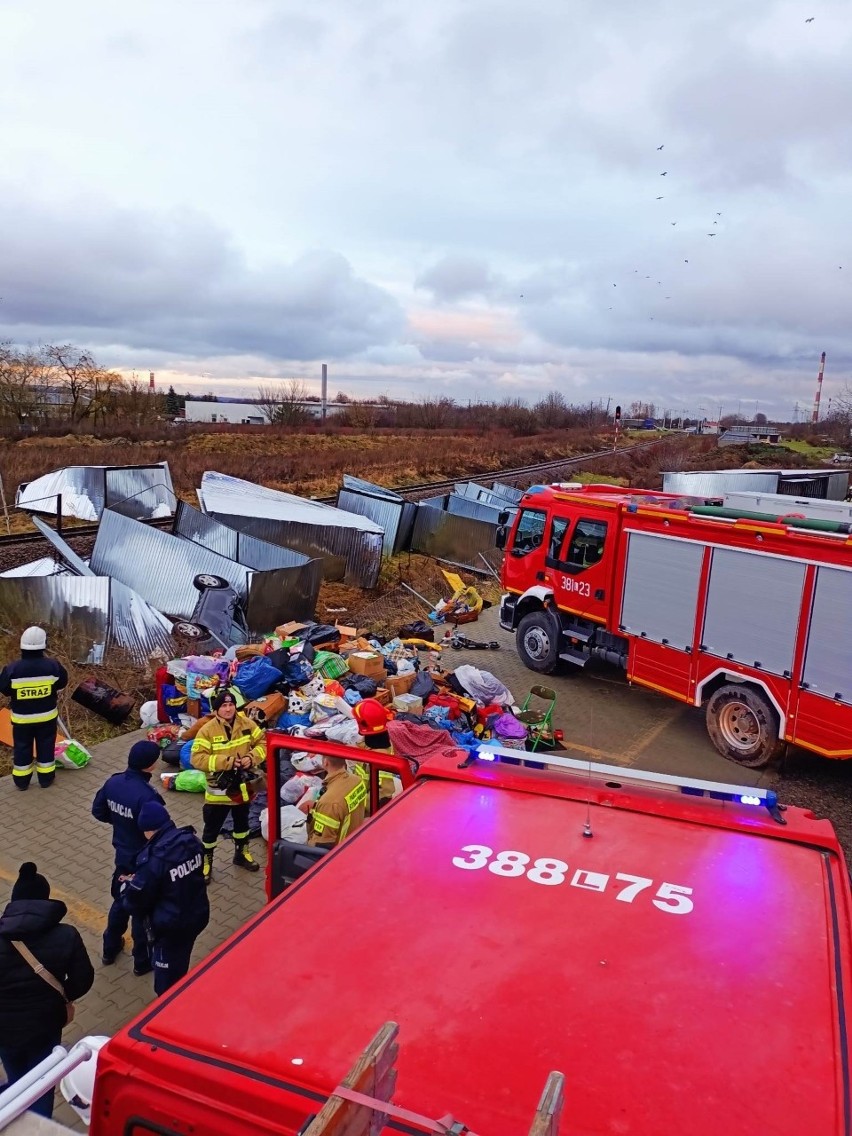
{"type": "Point", "coordinates": [243, 858]}
{"type": "Point", "coordinates": [207, 869]}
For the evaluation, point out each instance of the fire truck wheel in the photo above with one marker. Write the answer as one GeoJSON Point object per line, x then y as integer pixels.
{"type": "Point", "coordinates": [743, 727]}
{"type": "Point", "coordinates": [538, 642]}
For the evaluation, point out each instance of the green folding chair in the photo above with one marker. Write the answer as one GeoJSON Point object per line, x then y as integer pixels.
{"type": "Point", "coordinates": [538, 720]}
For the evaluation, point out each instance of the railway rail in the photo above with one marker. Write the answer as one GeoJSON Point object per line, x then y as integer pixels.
{"type": "Point", "coordinates": [409, 492]}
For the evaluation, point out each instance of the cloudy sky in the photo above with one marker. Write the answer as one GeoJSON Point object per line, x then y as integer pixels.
{"type": "Point", "coordinates": [464, 197]}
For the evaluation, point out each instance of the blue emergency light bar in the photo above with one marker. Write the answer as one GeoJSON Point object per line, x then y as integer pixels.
{"type": "Point", "coordinates": [689, 786]}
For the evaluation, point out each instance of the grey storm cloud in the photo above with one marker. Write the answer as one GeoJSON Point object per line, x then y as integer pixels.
{"type": "Point", "coordinates": [178, 283]}
{"type": "Point", "coordinates": [457, 277]}
{"type": "Point", "coordinates": [491, 170]}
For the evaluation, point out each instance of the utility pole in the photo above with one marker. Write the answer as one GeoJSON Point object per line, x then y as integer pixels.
{"type": "Point", "coordinates": [815, 413]}
{"type": "Point", "coordinates": [324, 391]}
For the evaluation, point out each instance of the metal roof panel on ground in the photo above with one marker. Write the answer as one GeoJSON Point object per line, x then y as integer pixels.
{"type": "Point", "coordinates": [224, 495]}
{"type": "Point", "coordinates": [86, 490]}
{"type": "Point", "coordinates": [349, 545]}
{"type": "Point", "coordinates": [717, 482]}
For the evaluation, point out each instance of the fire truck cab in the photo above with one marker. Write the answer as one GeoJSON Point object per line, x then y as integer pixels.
{"type": "Point", "coordinates": [748, 616]}
{"type": "Point", "coordinates": [681, 952]}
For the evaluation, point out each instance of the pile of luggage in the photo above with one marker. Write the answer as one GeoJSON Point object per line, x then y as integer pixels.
{"type": "Point", "coordinates": [306, 678]}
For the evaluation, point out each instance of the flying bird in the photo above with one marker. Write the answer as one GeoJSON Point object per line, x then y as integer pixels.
{"type": "Point", "coordinates": [715, 222]}
{"type": "Point", "coordinates": [711, 234]}
{"type": "Point", "coordinates": [663, 174]}
{"type": "Point", "coordinates": [660, 147]}
{"type": "Point", "coordinates": [674, 222]}
{"type": "Point", "coordinates": [615, 285]}
{"type": "Point", "coordinates": [809, 20]}
{"type": "Point", "coordinates": [686, 262]}
{"type": "Point", "coordinates": [659, 199]}
{"type": "Point", "coordinates": [668, 297]}
{"type": "Point", "coordinates": [718, 214]}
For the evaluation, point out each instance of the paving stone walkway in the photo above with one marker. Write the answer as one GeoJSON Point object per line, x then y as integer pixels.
{"type": "Point", "coordinates": [55, 828]}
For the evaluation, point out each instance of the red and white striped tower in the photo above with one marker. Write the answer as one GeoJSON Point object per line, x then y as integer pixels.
{"type": "Point", "coordinates": [815, 414]}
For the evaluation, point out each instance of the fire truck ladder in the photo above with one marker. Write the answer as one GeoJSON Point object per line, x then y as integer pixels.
{"type": "Point", "coordinates": [361, 1104]}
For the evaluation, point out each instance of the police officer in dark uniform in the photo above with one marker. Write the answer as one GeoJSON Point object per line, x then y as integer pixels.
{"type": "Point", "coordinates": [118, 803]}
{"type": "Point", "coordinates": [168, 889]}
{"type": "Point", "coordinates": [32, 683]}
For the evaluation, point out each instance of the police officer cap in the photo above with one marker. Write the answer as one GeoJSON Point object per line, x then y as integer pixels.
{"type": "Point", "coordinates": [152, 816]}
{"type": "Point", "coordinates": [143, 755]}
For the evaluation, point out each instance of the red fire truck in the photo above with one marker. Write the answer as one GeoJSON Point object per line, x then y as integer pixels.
{"type": "Point", "coordinates": [682, 953]}
{"type": "Point", "coordinates": [747, 616]}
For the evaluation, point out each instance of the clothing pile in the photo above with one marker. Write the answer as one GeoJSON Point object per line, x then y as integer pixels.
{"type": "Point", "coordinates": [308, 679]}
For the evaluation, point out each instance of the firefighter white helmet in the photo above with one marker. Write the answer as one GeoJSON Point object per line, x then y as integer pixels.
{"type": "Point", "coordinates": [34, 639]}
{"type": "Point", "coordinates": [78, 1086]}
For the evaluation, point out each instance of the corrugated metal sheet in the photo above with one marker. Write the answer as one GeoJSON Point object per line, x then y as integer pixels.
{"type": "Point", "coordinates": [350, 545]}
{"type": "Point", "coordinates": [161, 566]}
{"type": "Point", "coordinates": [479, 510]}
{"type": "Point", "coordinates": [76, 563]}
{"type": "Point", "coordinates": [141, 492]}
{"type": "Point", "coordinates": [447, 536]}
{"type": "Point", "coordinates": [283, 594]}
{"type": "Point", "coordinates": [283, 585]}
{"type": "Point", "coordinates": [347, 554]}
{"type": "Point", "coordinates": [507, 492]}
{"type": "Point", "coordinates": [231, 496]}
{"type": "Point", "coordinates": [393, 514]}
{"type": "Point", "coordinates": [787, 503]}
{"type": "Point", "coordinates": [136, 627]}
{"type": "Point", "coordinates": [158, 565]}
{"type": "Point", "coordinates": [77, 604]}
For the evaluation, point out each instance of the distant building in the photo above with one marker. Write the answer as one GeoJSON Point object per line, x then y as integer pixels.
{"type": "Point", "coordinates": [245, 413]}
{"type": "Point", "coordinates": [743, 435]}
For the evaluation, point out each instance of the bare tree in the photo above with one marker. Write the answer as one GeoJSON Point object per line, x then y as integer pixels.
{"type": "Point", "coordinates": [283, 405]}
{"type": "Point", "coordinates": [24, 384]}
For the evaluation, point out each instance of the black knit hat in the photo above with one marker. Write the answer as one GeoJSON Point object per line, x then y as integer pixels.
{"type": "Point", "coordinates": [143, 755]}
{"type": "Point", "coordinates": [221, 696]}
{"type": "Point", "coordinates": [29, 884]}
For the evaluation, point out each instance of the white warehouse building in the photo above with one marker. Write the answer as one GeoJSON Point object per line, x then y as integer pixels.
{"type": "Point", "coordinates": [244, 413]}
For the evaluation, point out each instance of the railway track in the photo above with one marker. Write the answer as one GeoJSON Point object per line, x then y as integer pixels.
{"type": "Point", "coordinates": [409, 492]}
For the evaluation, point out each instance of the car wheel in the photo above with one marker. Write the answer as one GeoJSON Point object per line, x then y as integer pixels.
{"type": "Point", "coordinates": [206, 580]}
{"type": "Point", "coordinates": [185, 630]}
{"type": "Point", "coordinates": [538, 642]}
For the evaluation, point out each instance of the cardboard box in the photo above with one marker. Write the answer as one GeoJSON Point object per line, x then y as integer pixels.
{"type": "Point", "coordinates": [383, 696]}
{"type": "Point", "coordinates": [408, 704]}
{"type": "Point", "coordinates": [400, 684]}
{"type": "Point", "coordinates": [366, 663]}
{"type": "Point", "coordinates": [286, 630]}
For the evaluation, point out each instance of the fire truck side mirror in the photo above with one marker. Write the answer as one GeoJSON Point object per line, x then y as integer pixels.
{"type": "Point", "coordinates": [500, 538]}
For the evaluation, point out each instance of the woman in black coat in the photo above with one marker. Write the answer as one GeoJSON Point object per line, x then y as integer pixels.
{"type": "Point", "coordinates": [32, 1013]}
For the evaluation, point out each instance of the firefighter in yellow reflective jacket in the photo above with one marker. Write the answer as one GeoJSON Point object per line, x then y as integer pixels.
{"type": "Point", "coordinates": [32, 684]}
{"type": "Point", "coordinates": [228, 750]}
{"type": "Point", "coordinates": [341, 807]}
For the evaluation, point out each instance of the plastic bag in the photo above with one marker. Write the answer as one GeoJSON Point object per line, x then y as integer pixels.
{"type": "Point", "coordinates": [297, 671]}
{"type": "Point", "coordinates": [148, 714]}
{"type": "Point", "coordinates": [256, 677]}
{"type": "Point", "coordinates": [189, 781]}
{"type": "Point", "coordinates": [293, 825]}
{"type": "Point", "coordinates": [71, 755]}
